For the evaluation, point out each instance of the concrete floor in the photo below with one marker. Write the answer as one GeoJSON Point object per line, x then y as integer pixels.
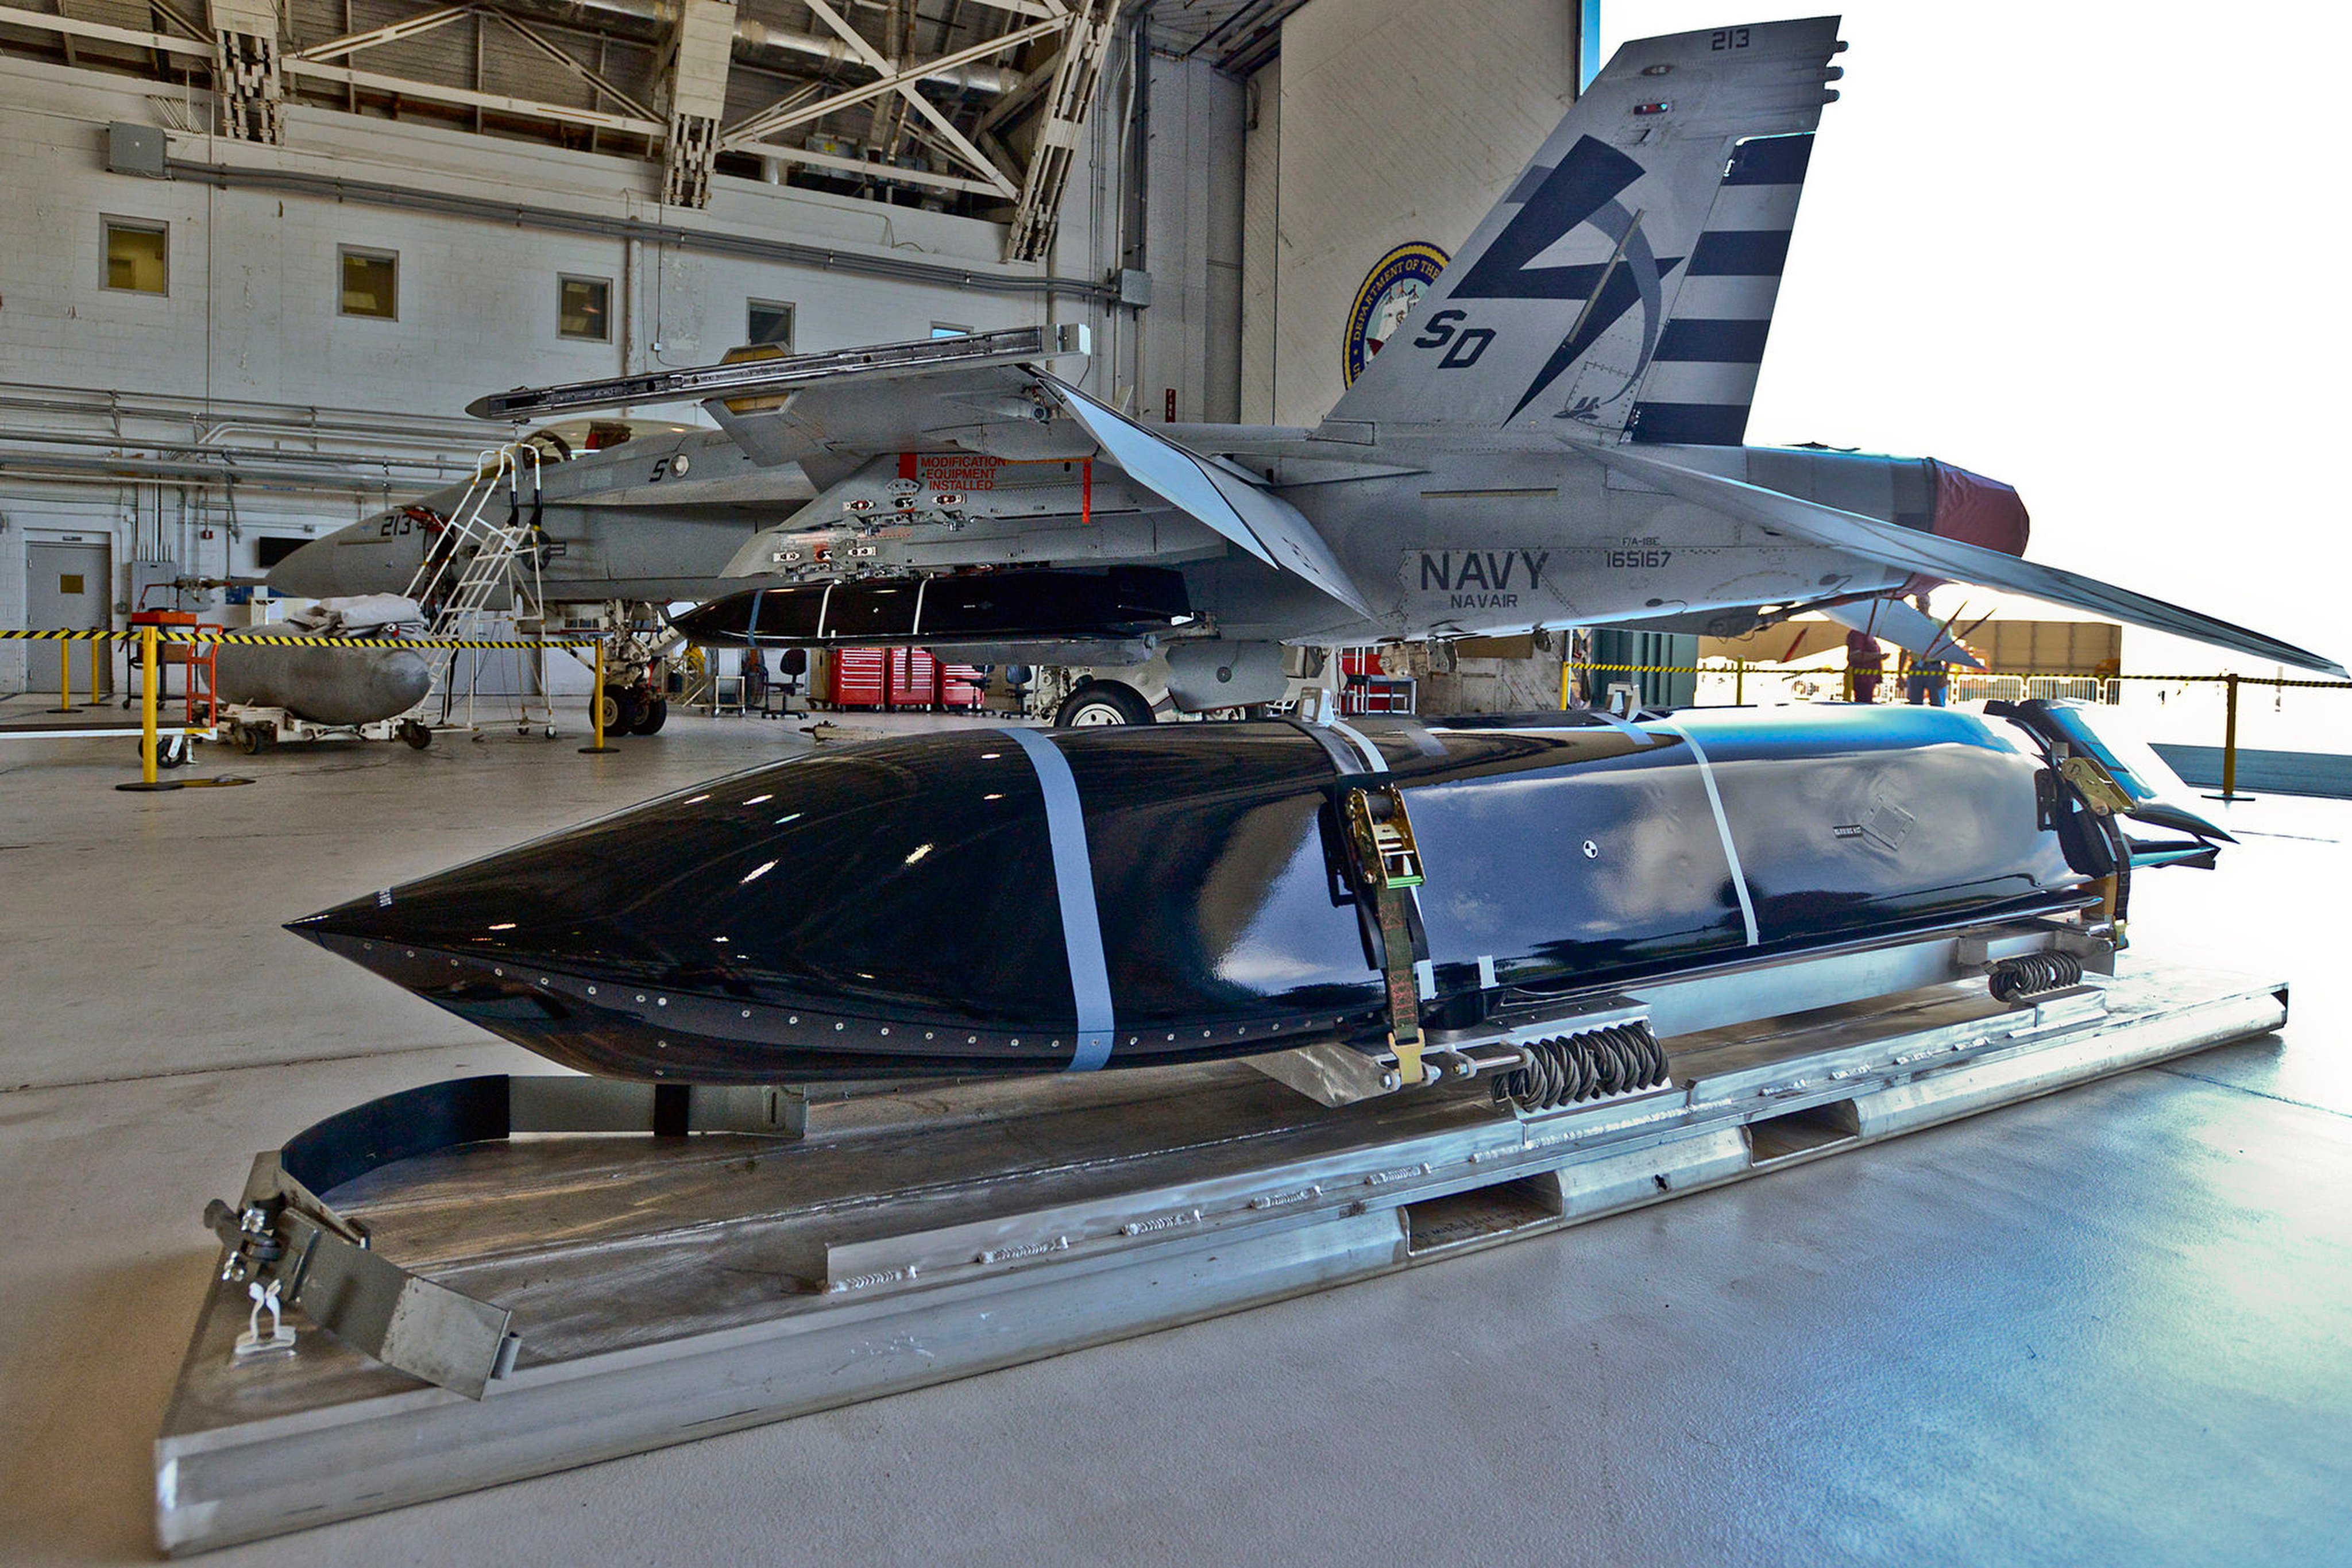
{"type": "Point", "coordinates": [2110, 1326]}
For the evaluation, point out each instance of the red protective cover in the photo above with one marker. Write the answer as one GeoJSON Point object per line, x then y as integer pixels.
{"type": "Point", "coordinates": [1980, 511]}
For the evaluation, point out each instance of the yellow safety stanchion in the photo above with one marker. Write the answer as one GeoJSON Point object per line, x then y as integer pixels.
{"type": "Point", "coordinates": [2229, 743]}
{"type": "Point", "coordinates": [97, 649]}
{"type": "Point", "coordinates": [65, 680]}
{"type": "Point", "coordinates": [596, 709]}
{"type": "Point", "coordinates": [148, 677]}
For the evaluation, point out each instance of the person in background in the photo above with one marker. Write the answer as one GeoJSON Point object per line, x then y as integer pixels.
{"type": "Point", "coordinates": [1865, 665]}
{"type": "Point", "coordinates": [1923, 678]}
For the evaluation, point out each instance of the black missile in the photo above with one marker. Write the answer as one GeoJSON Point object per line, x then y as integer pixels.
{"type": "Point", "coordinates": [1012, 901]}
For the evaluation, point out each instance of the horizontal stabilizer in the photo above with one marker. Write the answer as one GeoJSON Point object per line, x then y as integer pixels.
{"type": "Point", "coordinates": [1259, 521]}
{"type": "Point", "coordinates": [1892, 544]}
{"type": "Point", "coordinates": [1905, 626]}
{"type": "Point", "coordinates": [750, 377]}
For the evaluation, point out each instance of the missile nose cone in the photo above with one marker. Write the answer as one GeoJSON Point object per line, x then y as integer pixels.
{"type": "Point", "coordinates": [719, 623]}
{"type": "Point", "coordinates": [925, 905]}
{"type": "Point", "coordinates": [728, 931]}
{"type": "Point", "coordinates": [375, 932]}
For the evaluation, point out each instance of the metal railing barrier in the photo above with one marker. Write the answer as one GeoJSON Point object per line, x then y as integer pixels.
{"type": "Point", "coordinates": [1985, 683]}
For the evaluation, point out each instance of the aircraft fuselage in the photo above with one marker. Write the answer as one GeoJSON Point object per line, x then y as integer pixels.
{"type": "Point", "coordinates": [1441, 541]}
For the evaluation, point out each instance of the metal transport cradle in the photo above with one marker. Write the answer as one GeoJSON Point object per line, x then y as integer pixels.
{"type": "Point", "coordinates": [495, 1277]}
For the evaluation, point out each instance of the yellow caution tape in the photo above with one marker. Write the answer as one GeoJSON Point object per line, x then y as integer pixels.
{"type": "Point", "coordinates": [191, 635]}
{"type": "Point", "coordinates": [1956, 674]}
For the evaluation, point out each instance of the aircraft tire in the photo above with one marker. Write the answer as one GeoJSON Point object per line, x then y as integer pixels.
{"type": "Point", "coordinates": [651, 715]}
{"type": "Point", "coordinates": [1101, 703]}
{"type": "Point", "coordinates": [624, 709]}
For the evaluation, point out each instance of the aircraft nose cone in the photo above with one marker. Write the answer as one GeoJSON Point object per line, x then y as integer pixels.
{"type": "Point", "coordinates": [721, 623]}
{"type": "Point", "coordinates": [308, 572]}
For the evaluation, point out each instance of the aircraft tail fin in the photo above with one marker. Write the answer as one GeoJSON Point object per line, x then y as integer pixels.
{"type": "Point", "coordinates": [1627, 279]}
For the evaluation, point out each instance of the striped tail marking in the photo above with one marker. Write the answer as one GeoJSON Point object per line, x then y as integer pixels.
{"type": "Point", "coordinates": [1702, 378]}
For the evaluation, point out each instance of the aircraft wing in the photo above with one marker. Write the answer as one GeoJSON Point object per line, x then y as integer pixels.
{"type": "Point", "coordinates": [748, 378]}
{"type": "Point", "coordinates": [1258, 520]}
{"type": "Point", "coordinates": [1892, 544]}
{"type": "Point", "coordinates": [983, 393]}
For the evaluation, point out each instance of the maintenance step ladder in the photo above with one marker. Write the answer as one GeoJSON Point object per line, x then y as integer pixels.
{"type": "Point", "coordinates": [482, 571]}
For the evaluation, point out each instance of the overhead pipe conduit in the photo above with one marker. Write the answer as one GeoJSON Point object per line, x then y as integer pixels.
{"type": "Point", "coordinates": [555, 220]}
{"type": "Point", "coordinates": [209, 415]}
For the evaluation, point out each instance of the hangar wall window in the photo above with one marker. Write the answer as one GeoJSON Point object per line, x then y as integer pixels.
{"type": "Point", "coordinates": [270, 549]}
{"type": "Point", "coordinates": [370, 283]}
{"type": "Point", "coordinates": [138, 256]}
{"type": "Point", "coordinates": [942, 330]}
{"type": "Point", "coordinates": [584, 309]}
{"type": "Point", "coordinates": [770, 322]}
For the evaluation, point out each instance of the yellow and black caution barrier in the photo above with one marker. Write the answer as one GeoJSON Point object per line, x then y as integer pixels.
{"type": "Point", "coordinates": [152, 638]}
{"type": "Point", "coordinates": [150, 678]}
{"type": "Point", "coordinates": [278, 639]}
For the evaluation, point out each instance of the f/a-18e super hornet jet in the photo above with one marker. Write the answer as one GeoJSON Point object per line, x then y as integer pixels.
{"type": "Point", "coordinates": [1552, 438]}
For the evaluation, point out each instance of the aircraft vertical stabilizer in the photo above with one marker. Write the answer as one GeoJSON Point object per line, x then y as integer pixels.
{"type": "Point", "coordinates": [1627, 279]}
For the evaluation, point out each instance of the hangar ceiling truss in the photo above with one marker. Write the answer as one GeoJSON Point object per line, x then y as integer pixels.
{"type": "Point", "coordinates": [970, 105]}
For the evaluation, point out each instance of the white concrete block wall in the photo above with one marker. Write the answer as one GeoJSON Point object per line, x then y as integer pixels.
{"type": "Point", "coordinates": [1261, 238]}
{"type": "Point", "coordinates": [1397, 123]}
{"type": "Point", "coordinates": [252, 309]}
{"type": "Point", "coordinates": [1192, 244]}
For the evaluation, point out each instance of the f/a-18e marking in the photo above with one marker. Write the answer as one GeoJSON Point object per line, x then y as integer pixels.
{"type": "Point", "coordinates": [1553, 439]}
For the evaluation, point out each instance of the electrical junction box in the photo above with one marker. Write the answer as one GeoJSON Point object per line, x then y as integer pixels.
{"type": "Point", "coordinates": [135, 150]}
{"type": "Point", "coordinates": [1134, 287]}
{"type": "Point", "coordinates": [151, 586]}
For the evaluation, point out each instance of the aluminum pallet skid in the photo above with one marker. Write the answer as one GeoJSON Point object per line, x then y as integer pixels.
{"type": "Point", "coordinates": [669, 1289]}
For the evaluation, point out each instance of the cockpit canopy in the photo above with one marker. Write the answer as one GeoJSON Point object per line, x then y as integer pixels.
{"type": "Point", "coordinates": [569, 438]}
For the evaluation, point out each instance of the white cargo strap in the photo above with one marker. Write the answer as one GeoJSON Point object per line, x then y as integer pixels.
{"type": "Point", "coordinates": [1074, 881]}
{"type": "Point", "coordinates": [1626, 727]}
{"type": "Point", "coordinates": [1373, 761]}
{"type": "Point", "coordinates": [1722, 824]}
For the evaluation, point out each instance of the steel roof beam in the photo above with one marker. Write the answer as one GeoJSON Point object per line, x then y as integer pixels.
{"type": "Point", "coordinates": [391, 32]}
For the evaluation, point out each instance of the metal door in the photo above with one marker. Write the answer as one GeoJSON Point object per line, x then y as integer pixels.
{"type": "Point", "coordinates": [70, 587]}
